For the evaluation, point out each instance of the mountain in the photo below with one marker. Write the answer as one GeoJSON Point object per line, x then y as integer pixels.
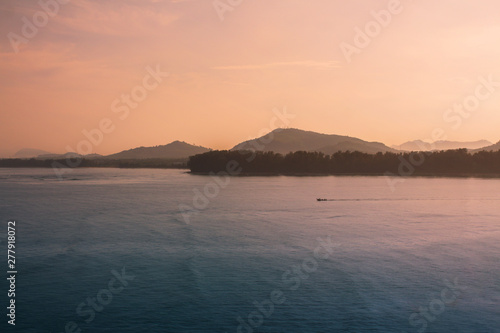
{"type": "Point", "coordinates": [419, 145]}
{"type": "Point", "coordinates": [495, 147]}
{"type": "Point", "coordinates": [29, 153]}
{"type": "Point", "coordinates": [67, 155]}
{"type": "Point", "coordinates": [284, 141]}
{"type": "Point", "coordinates": [174, 150]}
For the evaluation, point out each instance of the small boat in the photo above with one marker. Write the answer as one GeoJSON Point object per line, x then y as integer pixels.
{"type": "Point", "coordinates": [320, 199]}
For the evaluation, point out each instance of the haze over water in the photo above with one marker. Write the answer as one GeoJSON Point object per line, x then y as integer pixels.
{"type": "Point", "coordinates": [392, 253]}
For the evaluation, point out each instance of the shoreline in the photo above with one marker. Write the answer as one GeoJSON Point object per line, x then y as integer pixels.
{"type": "Point", "coordinates": [282, 174]}
{"type": "Point", "coordinates": [94, 167]}
{"type": "Point", "coordinates": [312, 174]}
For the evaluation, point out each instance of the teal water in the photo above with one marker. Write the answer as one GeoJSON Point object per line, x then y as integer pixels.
{"type": "Point", "coordinates": [262, 255]}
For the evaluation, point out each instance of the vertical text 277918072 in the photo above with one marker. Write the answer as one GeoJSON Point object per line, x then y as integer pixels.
{"type": "Point", "coordinates": [11, 272]}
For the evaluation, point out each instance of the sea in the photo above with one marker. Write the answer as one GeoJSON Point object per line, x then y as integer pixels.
{"type": "Point", "coordinates": [161, 250]}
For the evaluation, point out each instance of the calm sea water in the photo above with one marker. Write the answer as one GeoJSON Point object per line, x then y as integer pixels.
{"type": "Point", "coordinates": [261, 256]}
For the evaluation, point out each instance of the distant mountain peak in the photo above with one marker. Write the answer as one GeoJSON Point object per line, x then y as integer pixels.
{"type": "Point", "coordinates": [285, 140]}
{"type": "Point", "coordinates": [173, 150]}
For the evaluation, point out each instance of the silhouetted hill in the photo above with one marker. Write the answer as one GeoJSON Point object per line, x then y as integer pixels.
{"type": "Point", "coordinates": [174, 150]}
{"type": "Point", "coordinates": [29, 153]}
{"type": "Point", "coordinates": [419, 145]}
{"type": "Point", "coordinates": [284, 141]}
{"type": "Point", "coordinates": [494, 147]}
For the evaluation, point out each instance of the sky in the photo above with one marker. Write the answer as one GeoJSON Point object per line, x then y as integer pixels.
{"type": "Point", "coordinates": [213, 73]}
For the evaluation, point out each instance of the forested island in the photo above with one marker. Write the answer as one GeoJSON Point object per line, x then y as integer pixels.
{"type": "Point", "coordinates": [443, 163]}
{"type": "Point", "coordinates": [458, 162]}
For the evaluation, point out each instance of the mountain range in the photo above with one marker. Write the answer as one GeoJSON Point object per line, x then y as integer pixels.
{"type": "Point", "coordinates": [419, 145]}
{"type": "Point", "coordinates": [494, 147]}
{"type": "Point", "coordinates": [279, 141]}
{"type": "Point", "coordinates": [30, 153]}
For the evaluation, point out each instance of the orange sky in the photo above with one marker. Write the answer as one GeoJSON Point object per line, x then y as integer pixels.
{"type": "Point", "coordinates": [226, 76]}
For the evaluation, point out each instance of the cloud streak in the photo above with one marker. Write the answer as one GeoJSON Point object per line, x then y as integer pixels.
{"type": "Point", "coordinates": [319, 65]}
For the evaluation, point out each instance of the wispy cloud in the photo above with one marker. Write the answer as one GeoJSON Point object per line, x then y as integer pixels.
{"type": "Point", "coordinates": [319, 65]}
{"type": "Point", "coordinates": [127, 19]}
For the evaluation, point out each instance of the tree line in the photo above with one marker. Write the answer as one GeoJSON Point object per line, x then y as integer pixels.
{"type": "Point", "coordinates": [449, 162]}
